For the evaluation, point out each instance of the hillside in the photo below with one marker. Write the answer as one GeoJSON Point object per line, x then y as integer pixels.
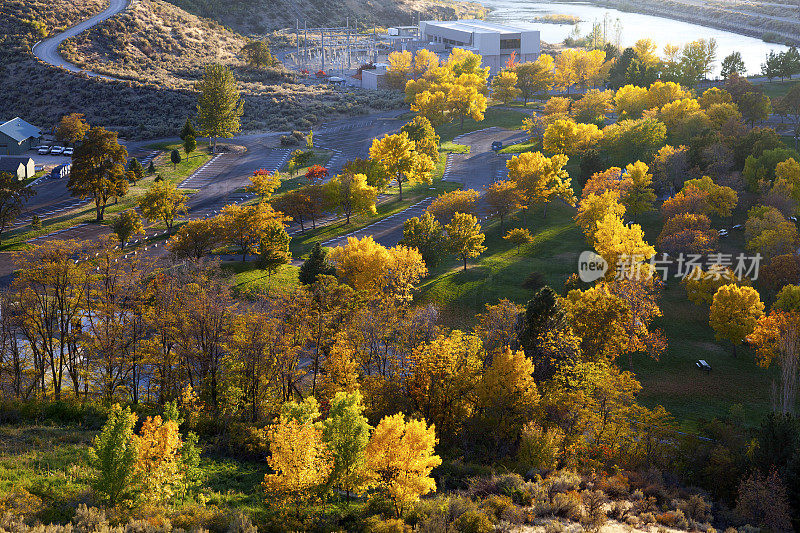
{"type": "Point", "coordinates": [262, 16]}
{"type": "Point", "coordinates": [161, 50]}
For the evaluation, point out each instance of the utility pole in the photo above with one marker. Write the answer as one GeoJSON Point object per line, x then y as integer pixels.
{"type": "Point", "coordinates": [322, 48]}
{"type": "Point", "coordinates": [297, 38]}
{"type": "Point", "coordinates": [305, 44]}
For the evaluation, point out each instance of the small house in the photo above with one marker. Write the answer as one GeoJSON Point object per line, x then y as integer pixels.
{"type": "Point", "coordinates": [17, 137]}
{"type": "Point", "coordinates": [22, 167]}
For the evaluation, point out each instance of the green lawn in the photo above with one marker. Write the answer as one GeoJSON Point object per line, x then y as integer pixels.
{"type": "Point", "coordinates": [528, 146]}
{"type": "Point", "coordinates": [503, 118]}
{"type": "Point", "coordinates": [777, 88]}
{"type": "Point", "coordinates": [672, 381]}
{"type": "Point", "coordinates": [249, 279]}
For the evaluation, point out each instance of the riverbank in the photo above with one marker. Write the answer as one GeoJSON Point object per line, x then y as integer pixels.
{"type": "Point", "coordinates": [761, 25]}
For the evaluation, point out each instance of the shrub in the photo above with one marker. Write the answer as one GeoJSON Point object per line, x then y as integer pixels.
{"type": "Point", "coordinates": [674, 519]}
{"type": "Point", "coordinates": [114, 455]}
{"type": "Point", "coordinates": [567, 506]}
{"type": "Point", "coordinates": [391, 525]}
{"type": "Point", "coordinates": [594, 513]}
{"type": "Point", "coordinates": [696, 508]}
{"type": "Point", "coordinates": [497, 505]}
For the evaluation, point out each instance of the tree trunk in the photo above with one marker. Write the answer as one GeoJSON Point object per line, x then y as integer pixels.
{"type": "Point", "coordinates": [400, 185]}
{"type": "Point", "coordinates": [465, 262]}
{"type": "Point", "coordinates": [734, 349]}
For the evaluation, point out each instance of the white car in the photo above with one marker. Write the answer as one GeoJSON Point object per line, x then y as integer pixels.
{"type": "Point", "coordinates": [57, 150]}
{"type": "Point", "coordinates": [43, 150]}
{"type": "Point", "coordinates": [69, 151]}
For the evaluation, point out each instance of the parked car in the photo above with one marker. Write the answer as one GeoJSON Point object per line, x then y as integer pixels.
{"type": "Point", "coordinates": [69, 151]}
{"type": "Point", "coordinates": [723, 233]}
{"type": "Point", "coordinates": [497, 146]}
{"type": "Point", "coordinates": [57, 150]}
{"type": "Point", "coordinates": [738, 227]}
{"type": "Point", "coordinates": [43, 150]}
{"type": "Point", "coordinates": [793, 219]}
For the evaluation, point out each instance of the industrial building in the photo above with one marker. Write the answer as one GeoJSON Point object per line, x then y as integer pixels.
{"type": "Point", "coordinates": [494, 42]}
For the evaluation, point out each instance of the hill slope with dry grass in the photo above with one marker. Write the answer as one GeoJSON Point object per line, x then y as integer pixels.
{"type": "Point", "coordinates": [262, 16]}
{"type": "Point", "coordinates": [160, 51]}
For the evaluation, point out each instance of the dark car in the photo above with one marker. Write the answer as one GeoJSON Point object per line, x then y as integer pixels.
{"type": "Point", "coordinates": [497, 145]}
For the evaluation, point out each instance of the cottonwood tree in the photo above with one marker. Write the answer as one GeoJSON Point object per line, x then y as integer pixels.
{"type": "Point", "coordinates": [518, 236]}
{"type": "Point", "coordinates": [400, 456]}
{"type": "Point", "coordinates": [349, 194]}
{"type": "Point", "coordinates": [503, 198]}
{"type": "Point", "coordinates": [594, 207]}
{"type": "Point", "coordinates": [541, 179]}
{"type": "Point", "coordinates": [398, 155]}
{"type": "Point", "coordinates": [258, 54]}
{"type": "Point", "coordinates": [504, 87]}
{"type": "Point", "coordinates": [446, 205]}
{"type": "Point", "coordinates": [777, 339]}
{"type": "Point", "coordinates": [300, 461]}
{"type": "Point", "coordinates": [420, 130]}
{"type": "Point", "coordinates": [464, 237]}
{"type": "Point", "coordinates": [735, 311]}
{"type": "Point", "coordinates": [219, 104]}
{"type": "Point", "coordinates": [732, 63]}
{"type": "Point", "coordinates": [426, 234]}
{"type": "Point", "coordinates": [245, 226]}
{"type": "Point", "coordinates": [72, 128]}
{"type": "Point", "coordinates": [196, 239]}
{"type": "Point", "coordinates": [98, 169]}
{"type": "Point", "coordinates": [163, 201]}
{"type": "Point", "coordinates": [127, 224]}
{"type": "Point", "coordinates": [13, 194]}
{"type": "Point", "coordinates": [263, 184]}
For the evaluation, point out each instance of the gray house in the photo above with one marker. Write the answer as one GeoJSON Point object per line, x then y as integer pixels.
{"type": "Point", "coordinates": [17, 137]}
{"type": "Point", "coordinates": [23, 167]}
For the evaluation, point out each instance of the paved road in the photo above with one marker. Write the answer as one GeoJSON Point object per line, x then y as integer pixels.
{"type": "Point", "coordinates": [47, 50]}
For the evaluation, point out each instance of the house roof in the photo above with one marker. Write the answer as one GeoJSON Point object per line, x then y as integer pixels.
{"type": "Point", "coordinates": [19, 130]}
{"type": "Point", "coordinates": [474, 25]}
{"type": "Point", "coordinates": [10, 164]}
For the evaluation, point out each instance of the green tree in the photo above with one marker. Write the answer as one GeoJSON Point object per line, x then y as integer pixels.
{"type": "Point", "coordinates": [127, 224]}
{"type": "Point", "coordinates": [771, 67]}
{"type": "Point", "coordinates": [273, 250]}
{"type": "Point", "coordinates": [258, 54]}
{"type": "Point", "coordinates": [175, 157]}
{"type": "Point", "coordinates": [13, 193]}
{"type": "Point", "coordinates": [316, 265]}
{"type": "Point", "coordinates": [755, 106]}
{"type": "Point", "coordinates": [98, 169]}
{"type": "Point", "coordinates": [346, 433]}
{"type": "Point", "coordinates": [189, 144]}
{"type": "Point", "coordinates": [733, 63]}
{"type": "Point", "coordinates": [136, 170]}
{"type": "Point", "coordinates": [164, 202]}
{"type": "Point", "coordinates": [426, 234]}
{"type": "Point", "coordinates": [188, 129]}
{"type": "Point", "coordinates": [219, 104]}
{"type": "Point", "coordinates": [464, 237]}
{"type": "Point", "coordinates": [114, 456]}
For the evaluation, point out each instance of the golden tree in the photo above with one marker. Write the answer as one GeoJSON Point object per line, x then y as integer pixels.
{"type": "Point", "coordinates": [158, 446]}
{"type": "Point", "coordinates": [540, 178]}
{"type": "Point", "coordinates": [464, 237]}
{"type": "Point", "coordinates": [776, 338]}
{"type": "Point", "coordinates": [518, 236]}
{"type": "Point", "coordinates": [504, 87]}
{"type": "Point", "coordinates": [446, 205]}
{"type": "Point", "coordinates": [164, 202]}
{"type": "Point", "coordinates": [735, 311]}
{"type": "Point", "coordinates": [503, 198]}
{"type": "Point", "coordinates": [594, 207]}
{"type": "Point", "coordinates": [400, 456]}
{"type": "Point", "coordinates": [399, 157]}
{"type": "Point", "coordinates": [263, 184]}
{"type": "Point", "coordinates": [300, 460]}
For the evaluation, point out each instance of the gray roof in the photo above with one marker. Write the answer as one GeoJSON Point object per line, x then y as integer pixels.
{"type": "Point", "coordinates": [473, 25]}
{"type": "Point", "coordinates": [6, 165]}
{"type": "Point", "coordinates": [19, 130]}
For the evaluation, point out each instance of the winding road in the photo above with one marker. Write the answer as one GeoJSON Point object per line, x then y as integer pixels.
{"type": "Point", "coordinates": [47, 50]}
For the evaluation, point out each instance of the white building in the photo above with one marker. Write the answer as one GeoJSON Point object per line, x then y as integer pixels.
{"type": "Point", "coordinates": [494, 42]}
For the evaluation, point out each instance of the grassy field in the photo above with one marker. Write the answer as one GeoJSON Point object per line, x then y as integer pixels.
{"type": "Point", "coordinates": [776, 89]}
{"type": "Point", "coordinates": [672, 381]}
{"type": "Point", "coordinates": [503, 118]}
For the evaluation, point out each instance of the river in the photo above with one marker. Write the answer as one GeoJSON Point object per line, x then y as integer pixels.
{"type": "Point", "coordinates": [634, 26]}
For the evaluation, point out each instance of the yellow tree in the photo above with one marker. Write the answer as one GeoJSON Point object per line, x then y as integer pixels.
{"type": "Point", "coordinates": [535, 78]}
{"type": "Point", "coordinates": [507, 396]}
{"type": "Point", "coordinates": [518, 236]}
{"type": "Point", "coordinates": [504, 87]}
{"type": "Point", "coordinates": [630, 101]}
{"type": "Point", "coordinates": [598, 317]}
{"type": "Point", "coordinates": [594, 208]}
{"type": "Point", "coordinates": [431, 105]}
{"type": "Point", "coordinates": [372, 268]}
{"type": "Point", "coordinates": [246, 226]}
{"type": "Point", "coordinates": [464, 237]}
{"type": "Point", "coordinates": [622, 246]}
{"type": "Point", "coordinates": [702, 285]}
{"type": "Point", "coordinates": [777, 339]}
{"type": "Point", "coordinates": [639, 195]}
{"type": "Point", "coordinates": [444, 375]}
{"type": "Point", "coordinates": [446, 205]}
{"type": "Point", "coordinates": [158, 446]}
{"type": "Point", "coordinates": [566, 74]}
{"type": "Point", "coordinates": [400, 456]}
{"type": "Point", "coordinates": [263, 184]}
{"type": "Point", "coordinates": [735, 312]}
{"type": "Point", "coordinates": [593, 106]}
{"type": "Point", "coordinates": [397, 154]}
{"type": "Point", "coordinates": [399, 69]}
{"type": "Point", "coordinates": [349, 193]}
{"type": "Point", "coordinates": [465, 101]}
{"type": "Point", "coordinates": [565, 136]}
{"type": "Point", "coordinates": [164, 202]}
{"type": "Point", "coordinates": [300, 461]}
{"type": "Point", "coordinates": [540, 178]}
{"type": "Point", "coordinates": [425, 63]}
